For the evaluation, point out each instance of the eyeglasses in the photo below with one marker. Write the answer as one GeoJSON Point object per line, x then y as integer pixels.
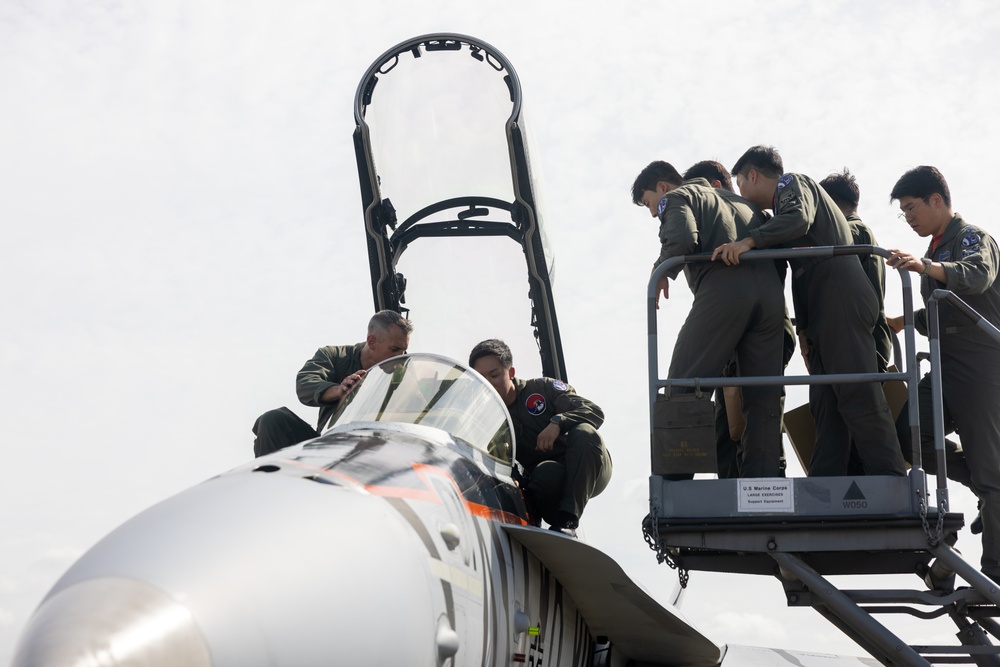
{"type": "Point", "coordinates": [908, 213]}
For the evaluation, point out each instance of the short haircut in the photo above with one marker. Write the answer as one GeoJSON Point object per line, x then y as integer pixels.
{"type": "Point", "coordinates": [384, 319]}
{"type": "Point", "coordinates": [764, 159]}
{"type": "Point", "coordinates": [843, 189]}
{"type": "Point", "coordinates": [653, 173]}
{"type": "Point", "coordinates": [710, 170]}
{"type": "Point", "coordinates": [922, 182]}
{"type": "Point", "coordinates": [492, 347]}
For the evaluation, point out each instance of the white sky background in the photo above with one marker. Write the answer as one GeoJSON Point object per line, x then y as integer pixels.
{"type": "Point", "coordinates": [181, 224]}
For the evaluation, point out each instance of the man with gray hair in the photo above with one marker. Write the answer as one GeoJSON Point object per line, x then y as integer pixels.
{"type": "Point", "coordinates": [330, 375]}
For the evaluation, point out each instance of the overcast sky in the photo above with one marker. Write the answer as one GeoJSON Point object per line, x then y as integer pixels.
{"type": "Point", "coordinates": [182, 224]}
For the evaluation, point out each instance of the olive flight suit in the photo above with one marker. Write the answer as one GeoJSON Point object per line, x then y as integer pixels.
{"type": "Point", "coordinates": [874, 266]}
{"type": "Point", "coordinates": [280, 428]}
{"type": "Point", "coordinates": [970, 374]}
{"type": "Point", "coordinates": [822, 398]}
{"type": "Point", "coordinates": [578, 467]}
{"type": "Point", "coordinates": [737, 309]}
{"type": "Point", "coordinates": [837, 306]}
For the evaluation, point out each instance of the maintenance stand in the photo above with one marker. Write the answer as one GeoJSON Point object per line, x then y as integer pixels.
{"type": "Point", "coordinates": [802, 530]}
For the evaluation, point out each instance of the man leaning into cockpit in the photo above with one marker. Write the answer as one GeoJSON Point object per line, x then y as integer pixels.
{"type": "Point", "coordinates": [324, 380]}
{"type": "Point", "coordinates": [556, 439]}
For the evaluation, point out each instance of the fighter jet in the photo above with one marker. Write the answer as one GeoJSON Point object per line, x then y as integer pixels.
{"type": "Point", "coordinates": [398, 537]}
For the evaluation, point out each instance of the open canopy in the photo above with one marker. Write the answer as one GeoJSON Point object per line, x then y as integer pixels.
{"type": "Point", "coordinates": [441, 152]}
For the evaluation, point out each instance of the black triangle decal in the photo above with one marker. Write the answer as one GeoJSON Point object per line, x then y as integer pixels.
{"type": "Point", "coordinates": [854, 493]}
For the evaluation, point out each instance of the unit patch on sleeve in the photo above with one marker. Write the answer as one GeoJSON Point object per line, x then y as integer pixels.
{"type": "Point", "coordinates": [662, 205]}
{"type": "Point", "coordinates": [970, 240]}
{"type": "Point", "coordinates": [535, 404]}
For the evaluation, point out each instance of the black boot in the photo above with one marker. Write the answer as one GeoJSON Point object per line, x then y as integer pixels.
{"type": "Point", "coordinates": [565, 523]}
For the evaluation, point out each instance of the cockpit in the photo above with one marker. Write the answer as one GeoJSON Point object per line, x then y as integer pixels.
{"type": "Point", "coordinates": [434, 391]}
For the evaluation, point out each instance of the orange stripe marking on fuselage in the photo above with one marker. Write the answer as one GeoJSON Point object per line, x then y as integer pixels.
{"type": "Point", "coordinates": [426, 494]}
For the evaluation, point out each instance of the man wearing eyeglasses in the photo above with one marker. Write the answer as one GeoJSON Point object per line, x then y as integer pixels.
{"type": "Point", "coordinates": [964, 259]}
{"type": "Point", "coordinates": [835, 311]}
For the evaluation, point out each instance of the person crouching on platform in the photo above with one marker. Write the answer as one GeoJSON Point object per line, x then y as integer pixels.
{"type": "Point", "coordinates": [556, 439]}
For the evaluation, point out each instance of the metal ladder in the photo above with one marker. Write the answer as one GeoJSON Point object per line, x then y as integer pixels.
{"type": "Point", "coordinates": [803, 530]}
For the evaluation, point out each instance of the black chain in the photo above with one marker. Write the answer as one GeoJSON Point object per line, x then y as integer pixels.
{"type": "Point", "coordinates": [934, 536]}
{"type": "Point", "coordinates": [673, 560]}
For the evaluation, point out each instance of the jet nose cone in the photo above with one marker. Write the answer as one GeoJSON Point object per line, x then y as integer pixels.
{"type": "Point", "coordinates": [111, 622]}
{"type": "Point", "coordinates": [250, 570]}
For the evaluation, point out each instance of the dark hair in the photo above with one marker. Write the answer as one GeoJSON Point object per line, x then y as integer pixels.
{"type": "Point", "coordinates": [492, 347]}
{"type": "Point", "coordinates": [654, 173]}
{"type": "Point", "coordinates": [764, 159]}
{"type": "Point", "coordinates": [710, 170]}
{"type": "Point", "coordinates": [383, 319]}
{"type": "Point", "coordinates": [843, 189]}
{"type": "Point", "coordinates": [922, 182]}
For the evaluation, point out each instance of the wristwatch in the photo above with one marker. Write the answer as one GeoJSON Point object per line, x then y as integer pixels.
{"type": "Point", "coordinates": [557, 420]}
{"type": "Point", "coordinates": [927, 264]}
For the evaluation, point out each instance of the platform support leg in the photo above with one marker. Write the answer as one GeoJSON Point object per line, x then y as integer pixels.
{"type": "Point", "coordinates": [889, 649]}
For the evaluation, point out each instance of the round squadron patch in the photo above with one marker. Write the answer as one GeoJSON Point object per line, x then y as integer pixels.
{"type": "Point", "coordinates": [784, 180]}
{"type": "Point", "coordinates": [970, 240]}
{"type": "Point", "coordinates": [559, 385]}
{"type": "Point", "coordinates": [662, 205]}
{"type": "Point", "coordinates": [535, 404]}
{"type": "Point", "coordinates": [945, 256]}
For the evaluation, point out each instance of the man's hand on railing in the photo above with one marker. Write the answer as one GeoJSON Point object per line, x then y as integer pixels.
{"type": "Point", "coordinates": [730, 252]}
{"type": "Point", "coordinates": [662, 287]}
{"type": "Point", "coordinates": [895, 323]}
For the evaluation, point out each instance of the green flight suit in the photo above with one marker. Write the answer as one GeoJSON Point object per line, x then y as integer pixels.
{"type": "Point", "coordinates": [822, 398]}
{"type": "Point", "coordinates": [328, 367]}
{"type": "Point", "coordinates": [737, 309]}
{"type": "Point", "coordinates": [578, 467]}
{"type": "Point", "coordinates": [280, 428]}
{"type": "Point", "coordinates": [970, 374]}
{"type": "Point", "coordinates": [874, 266]}
{"type": "Point", "coordinates": [838, 308]}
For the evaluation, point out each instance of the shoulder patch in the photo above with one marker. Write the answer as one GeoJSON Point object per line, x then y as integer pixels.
{"type": "Point", "coordinates": [559, 385]}
{"type": "Point", "coordinates": [784, 180]}
{"type": "Point", "coordinates": [967, 252]}
{"type": "Point", "coordinates": [662, 205]}
{"type": "Point", "coordinates": [945, 256]}
{"type": "Point", "coordinates": [970, 239]}
{"type": "Point", "coordinates": [535, 404]}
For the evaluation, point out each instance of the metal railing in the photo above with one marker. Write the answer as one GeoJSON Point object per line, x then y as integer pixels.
{"type": "Point", "coordinates": [910, 374]}
{"type": "Point", "coordinates": [852, 611]}
{"type": "Point", "coordinates": [937, 389]}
